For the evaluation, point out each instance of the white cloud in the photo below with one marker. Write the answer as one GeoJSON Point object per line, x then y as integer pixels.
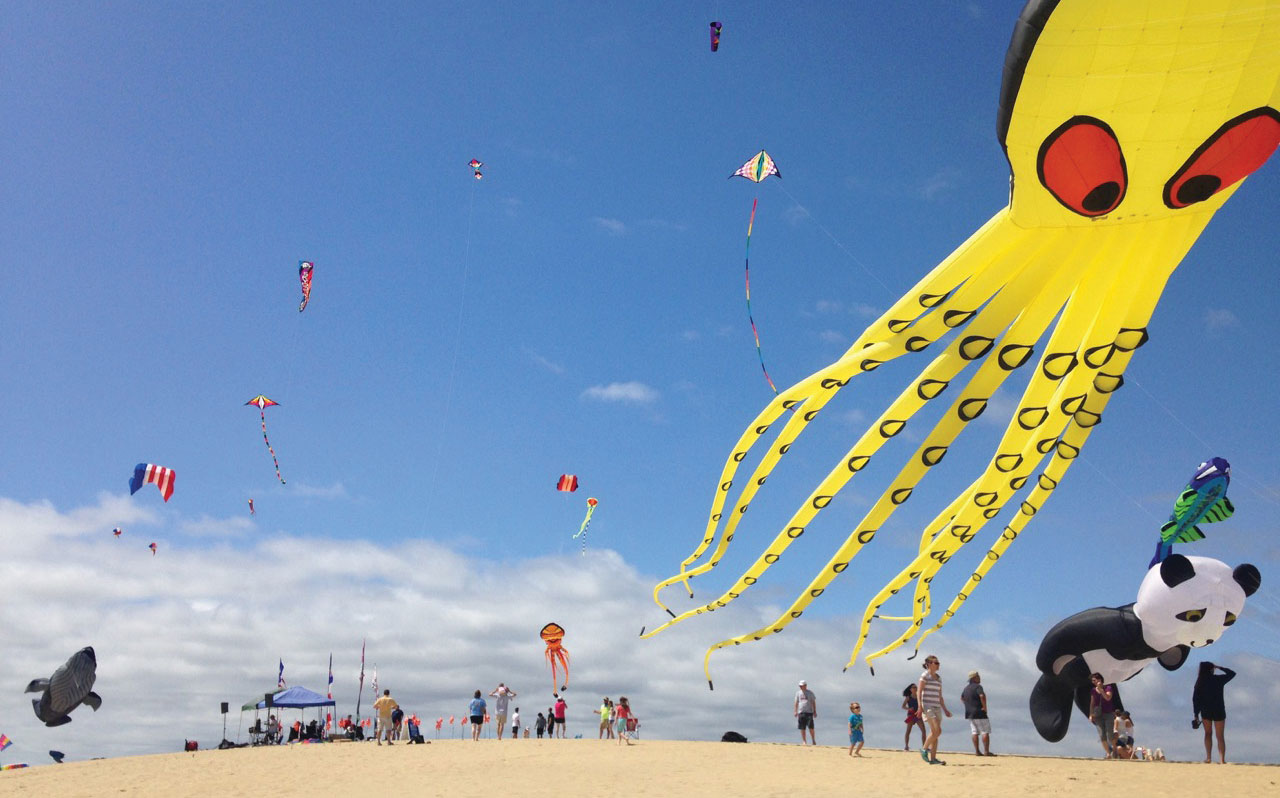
{"type": "Point", "coordinates": [207, 622]}
{"type": "Point", "coordinates": [208, 526]}
{"type": "Point", "coordinates": [633, 392]}
{"type": "Point", "coordinates": [833, 337]}
{"type": "Point", "coordinates": [549, 365]}
{"type": "Point", "coordinates": [614, 227]}
{"type": "Point", "coordinates": [795, 214]}
{"type": "Point", "coordinates": [939, 183]}
{"type": "Point", "coordinates": [1219, 319]}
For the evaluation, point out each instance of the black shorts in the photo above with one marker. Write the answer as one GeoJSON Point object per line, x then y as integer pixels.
{"type": "Point", "coordinates": [476, 720]}
{"type": "Point", "coordinates": [805, 720]}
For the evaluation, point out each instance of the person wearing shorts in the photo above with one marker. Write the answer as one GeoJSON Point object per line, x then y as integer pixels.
{"type": "Point", "coordinates": [476, 710]}
{"type": "Point", "coordinates": [855, 729]}
{"type": "Point", "coordinates": [932, 708]}
{"type": "Point", "coordinates": [974, 699]}
{"type": "Point", "coordinates": [806, 710]}
{"type": "Point", "coordinates": [1102, 713]}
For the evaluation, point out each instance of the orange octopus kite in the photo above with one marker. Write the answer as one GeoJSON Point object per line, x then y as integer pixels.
{"type": "Point", "coordinates": [553, 633]}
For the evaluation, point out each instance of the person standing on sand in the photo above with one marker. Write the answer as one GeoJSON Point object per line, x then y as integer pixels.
{"type": "Point", "coordinates": [912, 705]}
{"type": "Point", "coordinates": [384, 706]}
{"type": "Point", "coordinates": [515, 724]}
{"type": "Point", "coordinates": [974, 699]}
{"type": "Point", "coordinates": [932, 707]}
{"type": "Point", "coordinates": [560, 708]}
{"type": "Point", "coordinates": [1102, 713]}
{"type": "Point", "coordinates": [1210, 708]}
{"type": "Point", "coordinates": [551, 723]}
{"type": "Point", "coordinates": [476, 710]}
{"type": "Point", "coordinates": [502, 696]}
{"type": "Point", "coordinates": [855, 729]}
{"type": "Point", "coordinates": [621, 714]}
{"type": "Point", "coordinates": [540, 725]}
{"type": "Point", "coordinates": [806, 711]}
{"type": "Point", "coordinates": [603, 712]}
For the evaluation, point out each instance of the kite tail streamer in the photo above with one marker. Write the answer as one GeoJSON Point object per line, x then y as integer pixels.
{"type": "Point", "coordinates": [754, 332]}
{"type": "Point", "coordinates": [586, 522]}
{"type": "Point", "coordinates": [269, 449]}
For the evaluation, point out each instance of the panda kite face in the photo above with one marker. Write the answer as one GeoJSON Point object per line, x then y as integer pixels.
{"type": "Point", "coordinates": [1191, 601]}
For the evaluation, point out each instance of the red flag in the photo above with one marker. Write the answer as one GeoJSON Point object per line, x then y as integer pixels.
{"type": "Point", "coordinates": [440, 722]}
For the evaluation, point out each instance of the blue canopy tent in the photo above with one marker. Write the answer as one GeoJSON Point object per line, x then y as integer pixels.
{"type": "Point", "coordinates": [296, 697]}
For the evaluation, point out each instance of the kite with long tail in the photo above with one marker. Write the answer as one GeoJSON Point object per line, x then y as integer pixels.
{"type": "Point", "coordinates": [586, 522]}
{"type": "Point", "coordinates": [553, 635]}
{"type": "Point", "coordinates": [262, 403]}
{"type": "Point", "coordinates": [756, 170]}
{"type": "Point", "coordinates": [305, 268]}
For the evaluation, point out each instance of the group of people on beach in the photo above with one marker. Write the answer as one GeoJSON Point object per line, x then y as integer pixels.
{"type": "Point", "coordinates": [925, 706]}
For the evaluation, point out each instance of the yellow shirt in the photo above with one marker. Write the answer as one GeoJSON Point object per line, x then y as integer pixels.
{"type": "Point", "coordinates": [385, 705]}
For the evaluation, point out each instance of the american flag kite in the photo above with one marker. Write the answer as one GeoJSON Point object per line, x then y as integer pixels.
{"type": "Point", "coordinates": [150, 474]}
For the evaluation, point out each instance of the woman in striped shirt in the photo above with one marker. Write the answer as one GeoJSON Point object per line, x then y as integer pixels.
{"type": "Point", "coordinates": [932, 707]}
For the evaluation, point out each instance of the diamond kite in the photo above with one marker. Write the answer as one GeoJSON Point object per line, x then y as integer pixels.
{"type": "Point", "coordinates": [262, 403]}
{"type": "Point", "coordinates": [756, 170]}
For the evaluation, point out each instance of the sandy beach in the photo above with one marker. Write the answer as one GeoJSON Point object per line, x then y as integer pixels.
{"type": "Point", "coordinates": [574, 768]}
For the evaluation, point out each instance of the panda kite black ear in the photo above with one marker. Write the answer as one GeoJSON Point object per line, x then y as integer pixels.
{"type": "Point", "coordinates": [1176, 569]}
{"type": "Point", "coordinates": [1248, 578]}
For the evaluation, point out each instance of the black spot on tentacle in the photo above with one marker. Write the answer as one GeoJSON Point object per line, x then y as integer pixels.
{"type": "Point", "coordinates": [857, 462]}
{"type": "Point", "coordinates": [821, 501]}
{"type": "Point", "coordinates": [955, 318]}
{"type": "Point", "coordinates": [1028, 509]}
{"type": "Point", "coordinates": [901, 495]}
{"type": "Point", "coordinates": [917, 343]}
{"type": "Point", "coordinates": [794, 532]}
{"type": "Point", "coordinates": [913, 575]}
{"type": "Point", "coordinates": [892, 427]}
{"type": "Point", "coordinates": [928, 389]}
{"type": "Point", "coordinates": [970, 409]}
{"type": "Point", "coordinates": [975, 346]}
{"type": "Point", "coordinates": [787, 404]}
{"type": "Point", "coordinates": [817, 592]}
{"type": "Point", "coordinates": [898, 325]}
{"type": "Point", "coordinates": [1014, 355]}
{"type": "Point", "coordinates": [976, 578]}
{"type": "Point", "coordinates": [1072, 403]}
{"type": "Point", "coordinates": [784, 448]}
{"type": "Point", "coordinates": [968, 535]}
{"type": "Point", "coordinates": [743, 508]}
{"type": "Point", "coordinates": [866, 535]}
{"type": "Point", "coordinates": [870, 365]}
{"type": "Point", "coordinates": [1087, 418]}
{"type": "Point", "coordinates": [840, 566]}
{"type": "Point", "coordinates": [1066, 451]}
{"type": "Point", "coordinates": [985, 499]}
{"type": "Point", "coordinates": [796, 613]}
{"type": "Point", "coordinates": [762, 429]}
{"type": "Point", "coordinates": [1031, 417]}
{"type": "Point", "coordinates": [990, 512]}
{"type": "Point", "coordinates": [832, 382]}
{"type": "Point", "coordinates": [929, 300]}
{"type": "Point", "coordinates": [737, 456]}
{"type": "Point", "coordinates": [718, 605]}
{"type": "Point", "coordinates": [1008, 462]}
{"type": "Point", "coordinates": [771, 558]}
{"type": "Point", "coordinates": [748, 580]}
{"type": "Point", "coordinates": [1059, 365]}
{"type": "Point", "coordinates": [1096, 357]}
{"type": "Point", "coordinates": [1130, 338]}
{"type": "Point", "coordinates": [1108, 383]}
{"type": "Point", "coordinates": [1046, 482]}
{"type": "Point", "coordinates": [893, 592]}
{"type": "Point", "coordinates": [959, 530]}
{"type": "Point", "coordinates": [933, 455]}
{"type": "Point", "coordinates": [1045, 445]}
{"type": "Point", "coordinates": [724, 486]}
{"type": "Point", "coordinates": [993, 556]}
{"type": "Point", "coordinates": [811, 415]}
{"type": "Point", "coordinates": [1017, 482]}
{"type": "Point", "coordinates": [762, 480]}
{"type": "Point", "coordinates": [714, 517]}
{"type": "Point", "coordinates": [1009, 534]}
{"type": "Point", "coordinates": [941, 556]}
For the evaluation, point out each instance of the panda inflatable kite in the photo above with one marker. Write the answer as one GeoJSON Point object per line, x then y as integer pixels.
{"type": "Point", "coordinates": [1183, 603]}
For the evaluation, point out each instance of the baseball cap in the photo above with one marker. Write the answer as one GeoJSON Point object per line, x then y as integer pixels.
{"type": "Point", "coordinates": [803, 683]}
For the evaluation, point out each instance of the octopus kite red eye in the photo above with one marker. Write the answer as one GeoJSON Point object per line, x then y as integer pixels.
{"type": "Point", "coordinates": [1081, 165]}
{"type": "Point", "coordinates": [1230, 155]}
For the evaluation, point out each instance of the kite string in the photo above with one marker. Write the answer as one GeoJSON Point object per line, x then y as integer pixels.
{"type": "Point", "coordinates": [808, 214]}
{"type": "Point", "coordinates": [754, 332]}
{"type": "Point", "coordinates": [453, 366]}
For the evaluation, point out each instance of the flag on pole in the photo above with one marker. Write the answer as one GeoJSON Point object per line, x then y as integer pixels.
{"type": "Point", "coordinates": [375, 680]}
{"type": "Point", "coordinates": [360, 691]}
{"type": "Point", "coordinates": [330, 676]}
{"type": "Point", "coordinates": [280, 680]}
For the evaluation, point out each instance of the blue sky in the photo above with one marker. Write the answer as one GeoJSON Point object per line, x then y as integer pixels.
{"type": "Point", "coordinates": [579, 310]}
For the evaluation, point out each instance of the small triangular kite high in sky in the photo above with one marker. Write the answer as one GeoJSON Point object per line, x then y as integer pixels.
{"type": "Point", "coordinates": [262, 403]}
{"type": "Point", "coordinates": [756, 170]}
{"type": "Point", "coordinates": [150, 474]}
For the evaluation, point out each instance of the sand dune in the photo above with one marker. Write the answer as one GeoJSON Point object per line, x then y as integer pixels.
{"type": "Point", "coordinates": [592, 768]}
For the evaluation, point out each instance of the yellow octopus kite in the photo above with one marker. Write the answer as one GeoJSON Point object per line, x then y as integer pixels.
{"type": "Point", "coordinates": [1126, 126]}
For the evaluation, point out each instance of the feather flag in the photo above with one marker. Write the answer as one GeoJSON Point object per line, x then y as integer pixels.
{"type": "Point", "coordinates": [330, 696]}
{"type": "Point", "coordinates": [150, 474]}
{"type": "Point", "coordinates": [280, 680]}
{"type": "Point", "coordinates": [360, 689]}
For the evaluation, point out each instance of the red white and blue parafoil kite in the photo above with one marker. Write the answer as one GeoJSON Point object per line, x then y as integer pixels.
{"type": "Point", "coordinates": [150, 474]}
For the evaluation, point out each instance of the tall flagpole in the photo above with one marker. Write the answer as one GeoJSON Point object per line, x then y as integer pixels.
{"type": "Point", "coordinates": [360, 692]}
